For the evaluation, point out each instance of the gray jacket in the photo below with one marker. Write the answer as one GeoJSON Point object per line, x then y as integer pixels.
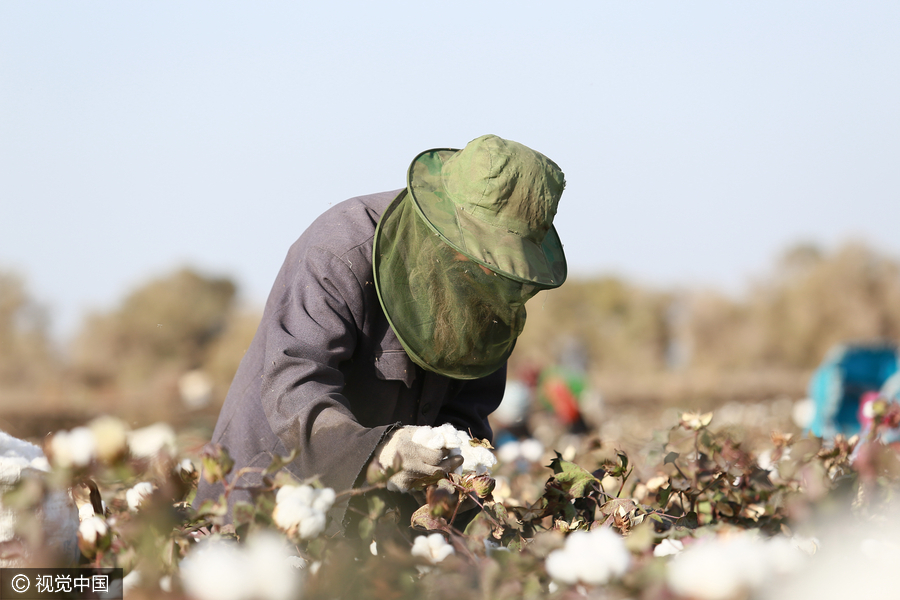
{"type": "Point", "coordinates": [325, 373]}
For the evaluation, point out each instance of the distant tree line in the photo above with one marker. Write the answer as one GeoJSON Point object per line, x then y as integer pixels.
{"type": "Point", "coordinates": [810, 301]}
{"type": "Point", "coordinates": [186, 321]}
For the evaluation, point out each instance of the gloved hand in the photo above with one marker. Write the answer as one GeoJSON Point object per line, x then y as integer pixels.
{"type": "Point", "coordinates": [414, 460]}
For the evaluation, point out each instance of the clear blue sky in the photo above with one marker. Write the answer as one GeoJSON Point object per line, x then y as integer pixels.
{"type": "Point", "coordinates": [699, 139]}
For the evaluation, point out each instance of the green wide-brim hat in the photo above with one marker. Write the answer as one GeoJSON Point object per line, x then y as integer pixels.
{"type": "Point", "coordinates": [490, 204]}
{"type": "Point", "coordinates": [494, 201]}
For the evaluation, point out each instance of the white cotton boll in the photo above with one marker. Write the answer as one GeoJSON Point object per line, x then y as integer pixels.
{"type": "Point", "coordinates": [668, 547]}
{"type": "Point", "coordinates": [215, 571]}
{"type": "Point", "coordinates": [855, 560]}
{"type": "Point", "coordinates": [429, 437]}
{"type": "Point", "coordinates": [782, 556]}
{"type": "Point", "coordinates": [453, 437]}
{"type": "Point", "coordinates": [303, 494]}
{"type": "Point", "coordinates": [532, 450]}
{"type": "Point", "coordinates": [92, 529]}
{"type": "Point", "coordinates": [268, 569]}
{"type": "Point", "coordinates": [186, 466]}
{"type": "Point", "coordinates": [477, 459]}
{"type": "Point", "coordinates": [137, 494]}
{"type": "Point", "coordinates": [704, 572]}
{"type": "Point", "coordinates": [195, 388]}
{"type": "Point", "coordinates": [720, 568]}
{"type": "Point", "coordinates": [110, 436]}
{"type": "Point", "coordinates": [73, 448]}
{"type": "Point", "coordinates": [434, 548]}
{"type": "Point", "coordinates": [295, 514]}
{"type": "Point", "coordinates": [593, 557]}
{"type": "Point", "coordinates": [561, 568]}
{"type": "Point", "coordinates": [323, 499]}
{"type": "Point", "coordinates": [85, 511]}
{"type": "Point", "coordinates": [303, 509]}
{"type": "Point", "coordinates": [509, 452]}
{"type": "Point", "coordinates": [149, 441]}
{"type": "Point", "coordinates": [311, 525]}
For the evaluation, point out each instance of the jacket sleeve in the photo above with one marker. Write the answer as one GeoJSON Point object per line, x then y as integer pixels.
{"type": "Point", "coordinates": [475, 399]}
{"type": "Point", "coordinates": [312, 327]}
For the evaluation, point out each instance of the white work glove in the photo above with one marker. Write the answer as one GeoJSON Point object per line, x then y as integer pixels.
{"type": "Point", "coordinates": [413, 460]}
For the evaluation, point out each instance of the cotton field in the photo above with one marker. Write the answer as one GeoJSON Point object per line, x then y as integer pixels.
{"type": "Point", "coordinates": [695, 514]}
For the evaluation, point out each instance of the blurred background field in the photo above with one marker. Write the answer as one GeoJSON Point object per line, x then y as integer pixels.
{"type": "Point", "coordinates": [156, 161]}
{"type": "Point", "coordinates": [167, 350]}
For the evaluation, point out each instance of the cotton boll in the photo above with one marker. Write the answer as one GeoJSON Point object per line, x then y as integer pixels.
{"type": "Point", "coordinates": [719, 568]}
{"type": "Point", "coordinates": [509, 452]}
{"type": "Point", "coordinates": [323, 499]}
{"type": "Point", "coordinates": [110, 436]}
{"type": "Point", "coordinates": [215, 571]}
{"type": "Point", "coordinates": [85, 511]}
{"type": "Point", "coordinates": [433, 548]}
{"type": "Point", "coordinates": [593, 557]}
{"type": "Point", "coordinates": [195, 388]}
{"type": "Point", "coordinates": [263, 569]}
{"type": "Point", "coordinates": [453, 437]}
{"type": "Point", "coordinates": [532, 450]}
{"type": "Point", "coordinates": [302, 509]}
{"type": "Point", "coordinates": [149, 441]}
{"type": "Point", "coordinates": [668, 547]}
{"type": "Point", "coordinates": [137, 494]}
{"type": "Point", "coordinates": [92, 529]}
{"type": "Point", "coordinates": [854, 560]}
{"type": "Point", "coordinates": [186, 467]}
{"type": "Point", "coordinates": [477, 459]}
{"type": "Point", "coordinates": [429, 437]}
{"type": "Point", "coordinates": [75, 448]}
{"type": "Point", "coordinates": [705, 572]}
{"type": "Point", "coordinates": [269, 569]}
